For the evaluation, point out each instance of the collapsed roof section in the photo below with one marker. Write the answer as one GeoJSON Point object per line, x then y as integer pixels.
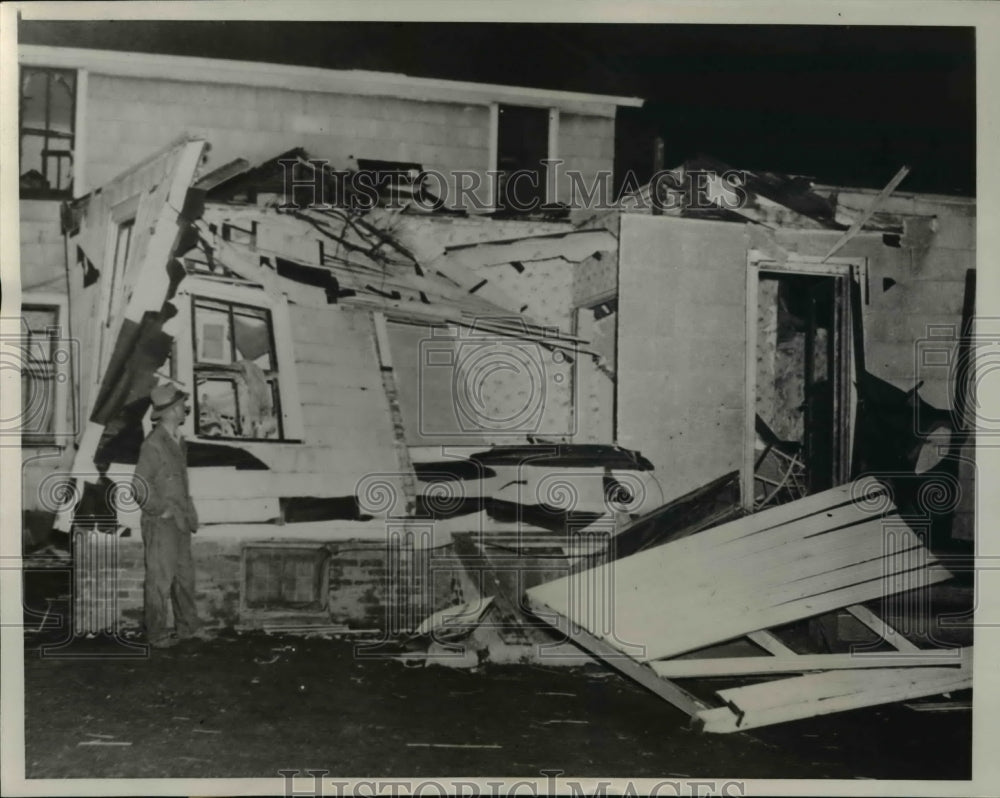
{"type": "Point", "coordinates": [232, 226]}
{"type": "Point", "coordinates": [380, 254]}
{"type": "Point", "coordinates": [707, 188]}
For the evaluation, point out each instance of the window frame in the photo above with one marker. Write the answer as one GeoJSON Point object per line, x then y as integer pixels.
{"type": "Point", "coordinates": [125, 213]}
{"type": "Point", "coordinates": [289, 407]}
{"type": "Point", "coordinates": [219, 371]}
{"type": "Point", "coordinates": [46, 133]}
{"type": "Point", "coordinates": [60, 374]}
{"type": "Point", "coordinates": [550, 191]}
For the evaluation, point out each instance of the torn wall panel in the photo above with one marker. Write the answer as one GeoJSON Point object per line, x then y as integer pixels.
{"type": "Point", "coordinates": [681, 352]}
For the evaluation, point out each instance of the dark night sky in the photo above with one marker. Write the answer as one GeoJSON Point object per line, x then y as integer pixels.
{"type": "Point", "coordinates": [846, 105]}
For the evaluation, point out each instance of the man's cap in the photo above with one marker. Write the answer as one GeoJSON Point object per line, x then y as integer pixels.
{"type": "Point", "coordinates": [164, 396]}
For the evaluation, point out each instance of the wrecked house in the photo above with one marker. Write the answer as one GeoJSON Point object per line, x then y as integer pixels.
{"type": "Point", "coordinates": [358, 383]}
{"type": "Point", "coordinates": [87, 116]}
{"type": "Point", "coordinates": [445, 423]}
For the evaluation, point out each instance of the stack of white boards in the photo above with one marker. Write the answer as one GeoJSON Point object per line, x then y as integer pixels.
{"type": "Point", "coordinates": [826, 552]}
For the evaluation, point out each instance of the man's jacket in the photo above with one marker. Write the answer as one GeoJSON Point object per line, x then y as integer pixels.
{"type": "Point", "coordinates": [161, 481]}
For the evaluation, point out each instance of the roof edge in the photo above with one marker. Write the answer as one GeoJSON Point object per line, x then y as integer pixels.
{"type": "Point", "coordinates": [318, 79]}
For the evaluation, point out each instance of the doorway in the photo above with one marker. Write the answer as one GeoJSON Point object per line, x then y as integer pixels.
{"type": "Point", "coordinates": [800, 381]}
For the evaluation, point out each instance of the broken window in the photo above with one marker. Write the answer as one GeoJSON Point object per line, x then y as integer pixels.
{"type": "Point", "coordinates": [39, 372]}
{"type": "Point", "coordinates": [236, 373]}
{"type": "Point", "coordinates": [47, 136]}
{"type": "Point", "coordinates": [522, 148]}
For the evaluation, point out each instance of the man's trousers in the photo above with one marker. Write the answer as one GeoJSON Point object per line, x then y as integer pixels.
{"type": "Point", "coordinates": [169, 578]}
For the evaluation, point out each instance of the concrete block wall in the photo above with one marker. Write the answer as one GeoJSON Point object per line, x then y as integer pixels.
{"type": "Point", "coordinates": [681, 360]}
{"type": "Point", "coordinates": [43, 253]}
{"type": "Point", "coordinates": [136, 116]}
{"type": "Point", "coordinates": [43, 270]}
{"type": "Point", "coordinates": [587, 146]}
{"type": "Point", "coordinates": [915, 291]}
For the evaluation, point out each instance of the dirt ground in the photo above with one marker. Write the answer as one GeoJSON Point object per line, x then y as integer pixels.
{"type": "Point", "coordinates": [251, 705]}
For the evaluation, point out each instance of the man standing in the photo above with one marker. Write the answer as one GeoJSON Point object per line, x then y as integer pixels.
{"type": "Point", "coordinates": [168, 521]}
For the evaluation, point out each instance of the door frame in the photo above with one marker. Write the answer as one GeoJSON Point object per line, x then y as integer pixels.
{"type": "Point", "coordinates": [853, 270]}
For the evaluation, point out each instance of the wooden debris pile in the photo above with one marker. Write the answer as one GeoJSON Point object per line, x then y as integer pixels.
{"type": "Point", "coordinates": [653, 614]}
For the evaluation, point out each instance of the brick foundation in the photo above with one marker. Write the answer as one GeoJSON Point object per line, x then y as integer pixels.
{"type": "Point", "coordinates": [366, 584]}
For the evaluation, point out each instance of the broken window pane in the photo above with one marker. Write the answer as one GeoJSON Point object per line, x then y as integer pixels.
{"type": "Point", "coordinates": [253, 338]}
{"type": "Point", "coordinates": [212, 335]}
{"type": "Point", "coordinates": [47, 111]}
{"type": "Point", "coordinates": [218, 414]}
{"type": "Point", "coordinates": [237, 379]}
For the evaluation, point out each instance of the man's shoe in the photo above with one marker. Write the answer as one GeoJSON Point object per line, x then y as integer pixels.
{"type": "Point", "coordinates": [164, 642]}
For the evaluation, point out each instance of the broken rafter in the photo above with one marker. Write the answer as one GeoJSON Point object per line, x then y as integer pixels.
{"type": "Point", "coordinates": [802, 663]}
{"type": "Point", "coordinates": [573, 246]}
{"type": "Point", "coordinates": [874, 206]}
{"type": "Point", "coordinates": [640, 672]}
{"type": "Point", "coordinates": [824, 693]}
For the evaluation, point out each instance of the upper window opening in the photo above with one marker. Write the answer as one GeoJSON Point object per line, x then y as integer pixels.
{"type": "Point", "coordinates": [47, 134]}
{"type": "Point", "coordinates": [522, 148]}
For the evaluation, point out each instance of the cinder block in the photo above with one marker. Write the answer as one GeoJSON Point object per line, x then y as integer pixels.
{"type": "Point", "coordinates": [942, 263]}
{"type": "Point", "coordinates": [43, 212]}
{"type": "Point", "coordinates": [958, 232]}
{"type": "Point", "coordinates": [474, 136]}
{"type": "Point", "coordinates": [938, 297]}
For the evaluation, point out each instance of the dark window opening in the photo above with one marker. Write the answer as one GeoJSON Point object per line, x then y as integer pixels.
{"type": "Point", "coordinates": [47, 111]}
{"type": "Point", "coordinates": [522, 146]}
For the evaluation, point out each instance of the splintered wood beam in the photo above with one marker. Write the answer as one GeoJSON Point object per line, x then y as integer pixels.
{"type": "Point", "coordinates": [874, 206]}
{"type": "Point", "coordinates": [641, 673]}
{"type": "Point", "coordinates": [881, 628]}
{"type": "Point", "coordinates": [824, 693]}
{"type": "Point", "coordinates": [803, 663]}
{"type": "Point", "coordinates": [771, 644]}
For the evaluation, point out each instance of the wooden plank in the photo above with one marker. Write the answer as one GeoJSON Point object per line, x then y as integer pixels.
{"type": "Point", "coordinates": [881, 628]}
{"type": "Point", "coordinates": [771, 644]}
{"type": "Point", "coordinates": [801, 663]}
{"type": "Point", "coordinates": [643, 674]}
{"type": "Point", "coordinates": [752, 574]}
{"type": "Point", "coordinates": [690, 572]}
{"type": "Point", "coordinates": [704, 618]}
{"type": "Point", "coordinates": [771, 694]}
{"type": "Point", "coordinates": [240, 484]}
{"type": "Point", "coordinates": [869, 580]}
{"type": "Point", "coordinates": [231, 511]}
{"type": "Point", "coordinates": [825, 693]}
{"type": "Point", "coordinates": [704, 507]}
{"type": "Point", "coordinates": [722, 586]}
{"type": "Point", "coordinates": [734, 540]}
{"type": "Point", "coordinates": [872, 207]}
